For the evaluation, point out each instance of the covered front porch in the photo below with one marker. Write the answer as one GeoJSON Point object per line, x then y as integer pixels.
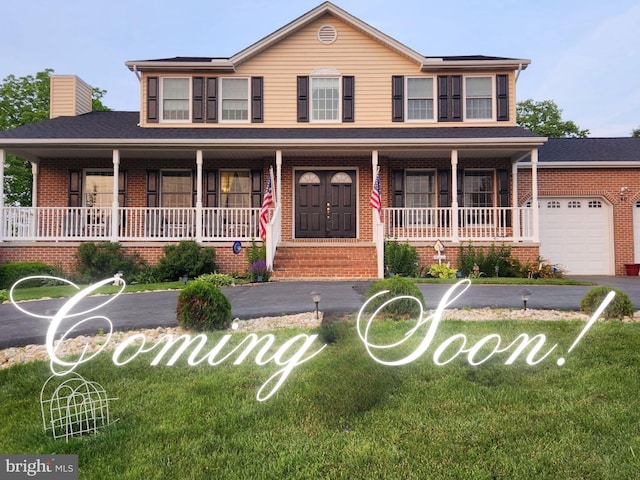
{"type": "Point", "coordinates": [450, 219]}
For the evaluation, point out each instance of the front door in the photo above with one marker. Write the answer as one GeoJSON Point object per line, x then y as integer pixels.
{"type": "Point", "coordinates": [325, 204]}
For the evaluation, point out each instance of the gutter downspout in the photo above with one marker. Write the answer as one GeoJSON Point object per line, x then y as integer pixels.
{"type": "Point", "coordinates": [518, 72]}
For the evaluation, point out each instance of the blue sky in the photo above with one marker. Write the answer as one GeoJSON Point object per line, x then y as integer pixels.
{"type": "Point", "coordinates": [585, 53]}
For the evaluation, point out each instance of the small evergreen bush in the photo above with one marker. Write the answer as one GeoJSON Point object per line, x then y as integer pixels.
{"type": "Point", "coordinates": [97, 261]}
{"type": "Point", "coordinates": [620, 307]}
{"type": "Point", "coordinates": [397, 286]}
{"type": "Point", "coordinates": [186, 258]}
{"type": "Point", "coordinates": [401, 259]}
{"type": "Point", "coordinates": [10, 273]}
{"type": "Point", "coordinates": [203, 307]}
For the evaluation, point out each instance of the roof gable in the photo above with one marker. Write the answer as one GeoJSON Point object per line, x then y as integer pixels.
{"type": "Point", "coordinates": [312, 16]}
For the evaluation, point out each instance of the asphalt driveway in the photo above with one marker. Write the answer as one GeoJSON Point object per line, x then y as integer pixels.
{"type": "Point", "coordinates": [153, 309]}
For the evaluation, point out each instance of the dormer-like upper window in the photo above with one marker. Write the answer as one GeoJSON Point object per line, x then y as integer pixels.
{"type": "Point", "coordinates": [420, 95]}
{"type": "Point", "coordinates": [234, 96]}
{"type": "Point", "coordinates": [175, 99]}
{"type": "Point", "coordinates": [478, 98]}
{"type": "Point", "coordinates": [325, 99]}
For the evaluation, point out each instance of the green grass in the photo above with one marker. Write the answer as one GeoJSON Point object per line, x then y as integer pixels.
{"type": "Point", "coordinates": [64, 291]}
{"type": "Point", "coordinates": [343, 416]}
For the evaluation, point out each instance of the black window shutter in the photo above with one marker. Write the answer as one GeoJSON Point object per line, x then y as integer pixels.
{"type": "Point", "coordinates": [455, 112]}
{"type": "Point", "coordinates": [461, 188]}
{"type": "Point", "coordinates": [122, 188]}
{"type": "Point", "coordinates": [444, 188]}
{"type": "Point", "coordinates": [210, 188]}
{"type": "Point", "coordinates": [449, 98]}
{"type": "Point", "coordinates": [348, 88]}
{"type": "Point", "coordinates": [256, 188]}
{"type": "Point", "coordinates": [194, 188]}
{"type": "Point", "coordinates": [502, 97]}
{"type": "Point", "coordinates": [75, 188]}
{"type": "Point", "coordinates": [198, 99]}
{"type": "Point", "coordinates": [303, 99]}
{"type": "Point", "coordinates": [397, 98]}
{"type": "Point", "coordinates": [212, 100]}
{"type": "Point", "coordinates": [398, 188]}
{"type": "Point", "coordinates": [152, 99]}
{"type": "Point", "coordinates": [257, 110]}
{"type": "Point", "coordinates": [153, 188]}
{"type": "Point", "coordinates": [503, 192]}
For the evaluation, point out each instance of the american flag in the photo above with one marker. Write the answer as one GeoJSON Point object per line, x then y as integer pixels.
{"type": "Point", "coordinates": [376, 199]}
{"type": "Point", "coordinates": [266, 204]}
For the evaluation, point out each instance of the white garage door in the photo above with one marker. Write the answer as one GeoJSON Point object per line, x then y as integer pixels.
{"type": "Point", "coordinates": [576, 233]}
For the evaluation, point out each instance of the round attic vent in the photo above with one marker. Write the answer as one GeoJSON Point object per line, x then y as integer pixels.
{"type": "Point", "coordinates": [327, 34]}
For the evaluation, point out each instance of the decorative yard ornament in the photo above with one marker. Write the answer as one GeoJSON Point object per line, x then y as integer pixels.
{"type": "Point", "coordinates": [75, 407]}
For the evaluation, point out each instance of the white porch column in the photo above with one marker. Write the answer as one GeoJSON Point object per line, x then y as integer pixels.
{"type": "Point", "coordinates": [34, 184]}
{"type": "Point", "coordinates": [455, 237]}
{"type": "Point", "coordinates": [115, 221]}
{"type": "Point", "coordinates": [199, 162]}
{"type": "Point", "coordinates": [534, 195]}
{"type": "Point", "coordinates": [377, 223]}
{"type": "Point", "coordinates": [279, 177]}
{"type": "Point", "coordinates": [2, 162]}
{"type": "Point", "coordinates": [516, 205]}
{"type": "Point", "coordinates": [35, 170]}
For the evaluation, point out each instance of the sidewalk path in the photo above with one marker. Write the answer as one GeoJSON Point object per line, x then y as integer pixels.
{"type": "Point", "coordinates": [153, 309]}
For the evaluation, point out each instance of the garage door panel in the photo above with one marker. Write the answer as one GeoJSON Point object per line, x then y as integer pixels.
{"type": "Point", "coordinates": [576, 233]}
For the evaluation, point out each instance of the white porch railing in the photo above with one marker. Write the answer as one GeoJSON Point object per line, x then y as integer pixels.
{"type": "Point", "coordinates": [487, 223]}
{"type": "Point", "coordinates": [134, 223]}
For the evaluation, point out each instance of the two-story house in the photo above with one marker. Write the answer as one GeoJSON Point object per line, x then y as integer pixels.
{"type": "Point", "coordinates": [326, 102]}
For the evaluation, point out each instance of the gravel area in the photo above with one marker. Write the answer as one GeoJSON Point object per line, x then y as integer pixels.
{"type": "Point", "coordinates": [72, 346]}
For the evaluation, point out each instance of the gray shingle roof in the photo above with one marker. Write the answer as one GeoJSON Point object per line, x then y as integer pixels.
{"type": "Point", "coordinates": [624, 149]}
{"type": "Point", "coordinates": [124, 125]}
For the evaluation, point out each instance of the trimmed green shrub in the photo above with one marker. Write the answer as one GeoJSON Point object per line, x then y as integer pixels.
{"type": "Point", "coordinates": [4, 296]}
{"type": "Point", "coordinates": [620, 307]}
{"type": "Point", "coordinates": [203, 306]}
{"type": "Point", "coordinates": [10, 273]}
{"type": "Point", "coordinates": [442, 270]}
{"type": "Point", "coordinates": [97, 261]}
{"type": "Point", "coordinates": [186, 258]}
{"type": "Point", "coordinates": [217, 279]}
{"type": "Point", "coordinates": [401, 259]}
{"type": "Point", "coordinates": [500, 257]}
{"type": "Point", "coordinates": [397, 286]}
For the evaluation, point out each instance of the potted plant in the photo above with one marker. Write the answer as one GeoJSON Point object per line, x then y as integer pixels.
{"type": "Point", "coordinates": [259, 272]}
{"type": "Point", "coordinates": [632, 269]}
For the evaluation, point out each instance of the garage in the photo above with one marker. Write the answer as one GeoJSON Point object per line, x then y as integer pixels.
{"type": "Point", "coordinates": [576, 233]}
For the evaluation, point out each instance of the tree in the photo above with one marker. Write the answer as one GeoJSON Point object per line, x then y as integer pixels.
{"type": "Point", "coordinates": [545, 119]}
{"type": "Point", "coordinates": [636, 132]}
{"type": "Point", "coordinates": [25, 100]}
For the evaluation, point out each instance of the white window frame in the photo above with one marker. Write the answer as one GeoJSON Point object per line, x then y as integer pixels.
{"type": "Point", "coordinates": [434, 99]}
{"type": "Point", "coordinates": [85, 192]}
{"type": "Point", "coordinates": [162, 192]}
{"type": "Point", "coordinates": [312, 110]}
{"type": "Point", "coordinates": [492, 78]}
{"type": "Point", "coordinates": [162, 99]}
{"type": "Point", "coordinates": [248, 193]}
{"type": "Point", "coordinates": [494, 186]}
{"type": "Point", "coordinates": [221, 101]}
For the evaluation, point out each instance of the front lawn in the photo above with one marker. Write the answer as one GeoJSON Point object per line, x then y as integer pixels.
{"type": "Point", "coordinates": [343, 416]}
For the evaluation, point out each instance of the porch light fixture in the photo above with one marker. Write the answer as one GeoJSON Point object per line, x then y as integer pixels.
{"type": "Point", "coordinates": [316, 299]}
{"type": "Point", "coordinates": [525, 293]}
{"type": "Point", "coordinates": [623, 193]}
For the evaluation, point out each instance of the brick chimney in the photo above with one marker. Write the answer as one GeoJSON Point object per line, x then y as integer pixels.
{"type": "Point", "coordinates": [69, 96]}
